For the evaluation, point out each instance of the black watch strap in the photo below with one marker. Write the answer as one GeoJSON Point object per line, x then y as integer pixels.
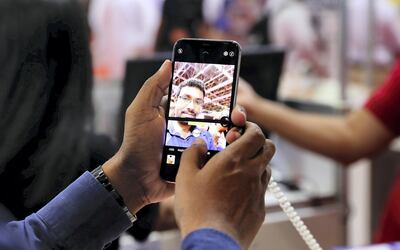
{"type": "Point", "coordinates": [98, 173]}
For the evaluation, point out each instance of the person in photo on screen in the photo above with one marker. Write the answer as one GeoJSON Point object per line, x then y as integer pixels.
{"type": "Point", "coordinates": [218, 132]}
{"type": "Point", "coordinates": [189, 104]}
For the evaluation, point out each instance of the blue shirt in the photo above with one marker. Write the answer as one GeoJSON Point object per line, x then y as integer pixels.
{"type": "Point", "coordinates": [85, 216]}
{"type": "Point", "coordinates": [175, 139]}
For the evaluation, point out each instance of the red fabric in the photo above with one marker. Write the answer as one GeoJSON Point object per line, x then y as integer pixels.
{"type": "Point", "coordinates": [385, 101]}
{"type": "Point", "coordinates": [385, 105]}
{"type": "Point", "coordinates": [389, 228]}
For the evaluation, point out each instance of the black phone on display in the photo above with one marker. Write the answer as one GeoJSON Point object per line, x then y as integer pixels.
{"type": "Point", "coordinates": [202, 94]}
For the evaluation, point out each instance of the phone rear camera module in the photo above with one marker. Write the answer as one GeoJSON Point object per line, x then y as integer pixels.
{"type": "Point", "coordinates": [231, 54]}
{"type": "Point", "coordinates": [180, 51]}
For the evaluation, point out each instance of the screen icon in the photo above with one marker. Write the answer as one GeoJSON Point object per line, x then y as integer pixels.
{"type": "Point", "coordinates": [180, 51]}
{"type": "Point", "coordinates": [225, 53]}
{"type": "Point", "coordinates": [170, 159]}
{"type": "Point", "coordinates": [231, 54]}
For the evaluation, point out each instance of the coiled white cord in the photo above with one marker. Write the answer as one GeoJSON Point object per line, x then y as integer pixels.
{"type": "Point", "coordinates": [293, 216]}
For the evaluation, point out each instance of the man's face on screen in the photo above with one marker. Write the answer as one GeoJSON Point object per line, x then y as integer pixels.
{"type": "Point", "coordinates": [189, 102]}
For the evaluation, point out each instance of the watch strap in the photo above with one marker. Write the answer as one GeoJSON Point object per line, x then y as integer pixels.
{"type": "Point", "coordinates": [98, 173]}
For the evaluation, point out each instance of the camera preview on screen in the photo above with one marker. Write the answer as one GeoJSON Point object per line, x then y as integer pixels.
{"type": "Point", "coordinates": [200, 91]}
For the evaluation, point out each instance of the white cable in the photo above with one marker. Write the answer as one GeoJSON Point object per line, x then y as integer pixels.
{"type": "Point", "coordinates": [293, 216]}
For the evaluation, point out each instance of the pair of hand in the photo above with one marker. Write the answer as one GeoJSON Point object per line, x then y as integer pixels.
{"type": "Point", "coordinates": [226, 193]}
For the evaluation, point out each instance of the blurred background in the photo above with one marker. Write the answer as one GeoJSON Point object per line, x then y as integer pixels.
{"type": "Point", "coordinates": [334, 54]}
{"type": "Point", "coordinates": [320, 56]}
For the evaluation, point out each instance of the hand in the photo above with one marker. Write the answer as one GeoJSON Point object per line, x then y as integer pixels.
{"type": "Point", "coordinates": [227, 193]}
{"type": "Point", "coordinates": [134, 170]}
{"type": "Point", "coordinates": [246, 96]}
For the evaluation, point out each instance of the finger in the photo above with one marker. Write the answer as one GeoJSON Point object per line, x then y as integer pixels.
{"type": "Point", "coordinates": [192, 159]}
{"type": "Point", "coordinates": [264, 156]}
{"type": "Point", "coordinates": [164, 102]}
{"type": "Point", "coordinates": [238, 116]}
{"type": "Point", "coordinates": [233, 134]}
{"type": "Point", "coordinates": [270, 149]}
{"type": "Point", "coordinates": [153, 89]}
{"type": "Point", "coordinates": [266, 176]}
{"type": "Point", "coordinates": [169, 189]}
{"type": "Point", "coordinates": [266, 151]}
{"type": "Point", "coordinates": [249, 144]}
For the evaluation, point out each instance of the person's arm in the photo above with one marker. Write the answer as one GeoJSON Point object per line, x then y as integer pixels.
{"type": "Point", "coordinates": [83, 216]}
{"type": "Point", "coordinates": [344, 138]}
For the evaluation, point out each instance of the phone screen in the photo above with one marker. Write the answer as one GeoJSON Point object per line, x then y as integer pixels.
{"type": "Point", "coordinates": [201, 97]}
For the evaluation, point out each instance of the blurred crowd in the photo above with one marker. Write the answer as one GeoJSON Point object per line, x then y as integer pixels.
{"type": "Point", "coordinates": [125, 29]}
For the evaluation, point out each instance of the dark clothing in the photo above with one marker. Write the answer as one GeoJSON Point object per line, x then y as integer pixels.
{"type": "Point", "coordinates": [46, 113]}
{"type": "Point", "coordinates": [179, 14]}
{"type": "Point", "coordinates": [45, 100]}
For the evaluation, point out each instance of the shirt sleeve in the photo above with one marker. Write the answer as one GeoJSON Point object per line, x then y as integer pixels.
{"type": "Point", "coordinates": [384, 103]}
{"type": "Point", "coordinates": [209, 239]}
{"type": "Point", "coordinates": [83, 216]}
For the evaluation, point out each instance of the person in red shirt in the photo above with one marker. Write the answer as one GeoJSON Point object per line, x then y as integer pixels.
{"type": "Point", "coordinates": [360, 133]}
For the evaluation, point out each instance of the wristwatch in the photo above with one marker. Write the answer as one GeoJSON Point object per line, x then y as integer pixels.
{"type": "Point", "coordinates": [98, 173]}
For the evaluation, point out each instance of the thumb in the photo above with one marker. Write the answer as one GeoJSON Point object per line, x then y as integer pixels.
{"type": "Point", "coordinates": [153, 89]}
{"type": "Point", "coordinates": [192, 159]}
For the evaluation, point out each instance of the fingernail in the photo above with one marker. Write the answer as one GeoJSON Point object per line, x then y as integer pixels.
{"type": "Point", "coordinates": [199, 142]}
{"type": "Point", "coordinates": [163, 65]}
{"type": "Point", "coordinates": [236, 135]}
{"type": "Point", "coordinates": [242, 109]}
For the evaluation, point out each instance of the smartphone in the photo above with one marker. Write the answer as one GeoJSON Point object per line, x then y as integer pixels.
{"type": "Point", "coordinates": [201, 97]}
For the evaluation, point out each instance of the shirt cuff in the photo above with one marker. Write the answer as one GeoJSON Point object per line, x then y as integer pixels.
{"type": "Point", "coordinates": [209, 239]}
{"type": "Point", "coordinates": [84, 214]}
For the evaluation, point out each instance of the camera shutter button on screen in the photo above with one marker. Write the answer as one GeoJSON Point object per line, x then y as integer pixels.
{"type": "Point", "coordinates": [225, 122]}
